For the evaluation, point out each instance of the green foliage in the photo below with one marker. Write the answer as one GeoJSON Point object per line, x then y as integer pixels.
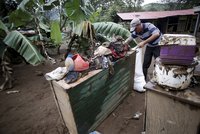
{"type": "Point", "coordinates": [26, 4]}
{"type": "Point", "coordinates": [111, 29]}
{"type": "Point", "coordinates": [55, 32]}
{"type": "Point", "coordinates": [44, 27]}
{"type": "Point", "coordinates": [109, 9]}
{"type": "Point", "coordinates": [2, 48]}
{"type": "Point", "coordinates": [19, 43]}
{"type": "Point", "coordinates": [20, 17]}
{"type": "Point", "coordinates": [155, 7]}
{"type": "Point", "coordinates": [171, 5]}
{"type": "Point", "coordinates": [22, 45]}
{"type": "Point", "coordinates": [74, 12]}
{"type": "Point", "coordinates": [3, 27]}
{"type": "Point", "coordinates": [51, 4]}
{"type": "Point", "coordinates": [78, 10]}
{"type": "Point", "coordinates": [3, 30]}
{"type": "Point", "coordinates": [94, 16]}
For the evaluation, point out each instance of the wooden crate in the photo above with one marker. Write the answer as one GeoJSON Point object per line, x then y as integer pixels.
{"type": "Point", "coordinates": [83, 105]}
{"type": "Point", "coordinates": [172, 112]}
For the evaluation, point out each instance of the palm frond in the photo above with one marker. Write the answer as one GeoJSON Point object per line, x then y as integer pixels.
{"type": "Point", "coordinates": [23, 46]}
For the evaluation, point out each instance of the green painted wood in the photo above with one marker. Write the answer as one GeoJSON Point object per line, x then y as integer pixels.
{"type": "Point", "coordinates": [94, 99]}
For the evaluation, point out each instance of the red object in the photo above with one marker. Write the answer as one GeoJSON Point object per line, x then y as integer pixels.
{"type": "Point", "coordinates": [79, 63]}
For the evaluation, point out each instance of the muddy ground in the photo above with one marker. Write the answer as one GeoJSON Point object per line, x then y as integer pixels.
{"type": "Point", "coordinates": [33, 110]}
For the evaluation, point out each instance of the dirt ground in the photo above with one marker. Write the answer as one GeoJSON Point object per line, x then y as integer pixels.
{"type": "Point", "coordinates": [33, 110]}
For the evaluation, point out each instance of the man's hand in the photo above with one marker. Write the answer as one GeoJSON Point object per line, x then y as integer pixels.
{"type": "Point", "coordinates": [151, 38]}
{"type": "Point", "coordinates": [141, 44]}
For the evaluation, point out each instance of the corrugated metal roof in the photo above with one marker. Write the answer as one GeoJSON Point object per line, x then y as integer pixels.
{"type": "Point", "coordinates": [154, 14]}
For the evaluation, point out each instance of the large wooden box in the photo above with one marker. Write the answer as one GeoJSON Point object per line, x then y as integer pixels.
{"type": "Point", "coordinates": [83, 105]}
{"type": "Point", "coordinates": [172, 112]}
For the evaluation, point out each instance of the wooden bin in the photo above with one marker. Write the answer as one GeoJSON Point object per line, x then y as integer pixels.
{"type": "Point", "coordinates": [83, 105]}
{"type": "Point", "coordinates": [172, 112]}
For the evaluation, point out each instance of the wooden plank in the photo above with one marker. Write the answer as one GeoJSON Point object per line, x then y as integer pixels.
{"type": "Point", "coordinates": [83, 79]}
{"type": "Point", "coordinates": [65, 108]}
{"type": "Point", "coordinates": [56, 101]}
{"type": "Point", "coordinates": [190, 96]}
{"type": "Point", "coordinates": [165, 115]}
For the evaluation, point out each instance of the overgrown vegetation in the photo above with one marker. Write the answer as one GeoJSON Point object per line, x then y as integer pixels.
{"type": "Point", "coordinates": [35, 22]}
{"type": "Point", "coordinates": [168, 5]}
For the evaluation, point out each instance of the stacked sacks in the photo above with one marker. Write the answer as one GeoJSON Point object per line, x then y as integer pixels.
{"type": "Point", "coordinates": [175, 66]}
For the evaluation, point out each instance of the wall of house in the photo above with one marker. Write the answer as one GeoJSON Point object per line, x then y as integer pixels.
{"type": "Point", "coordinates": [173, 25]}
{"type": "Point", "coordinates": [177, 25]}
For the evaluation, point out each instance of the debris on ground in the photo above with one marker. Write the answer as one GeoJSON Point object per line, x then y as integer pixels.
{"type": "Point", "coordinates": [12, 92]}
{"type": "Point", "coordinates": [137, 115]}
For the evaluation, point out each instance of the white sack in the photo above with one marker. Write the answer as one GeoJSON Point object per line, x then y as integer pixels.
{"type": "Point", "coordinates": [139, 79]}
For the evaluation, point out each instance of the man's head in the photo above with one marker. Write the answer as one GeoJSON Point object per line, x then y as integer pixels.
{"type": "Point", "coordinates": [135, 25]}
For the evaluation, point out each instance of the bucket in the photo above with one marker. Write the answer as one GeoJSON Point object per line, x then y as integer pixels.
{"type": "Point", "coordinates": [173, 76]}
{"type": "Point", "coordinates": [79, 63]}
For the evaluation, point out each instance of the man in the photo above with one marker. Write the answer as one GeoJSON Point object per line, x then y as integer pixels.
{"type": "Point", "coordinates": [150, 36]}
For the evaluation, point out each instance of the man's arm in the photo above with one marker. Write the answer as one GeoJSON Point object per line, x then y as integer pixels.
{"type": "Point", "coordinates": [151, 38]}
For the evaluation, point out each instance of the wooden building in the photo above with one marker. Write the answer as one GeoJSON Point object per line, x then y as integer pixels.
{"type": "Point", "coordinates": [176, 22]}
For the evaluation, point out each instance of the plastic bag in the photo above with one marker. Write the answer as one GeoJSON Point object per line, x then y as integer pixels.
{"type": "Point", "coordinates": [139, 79]}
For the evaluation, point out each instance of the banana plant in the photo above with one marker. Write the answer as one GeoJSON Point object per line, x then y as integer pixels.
{"type": "Point", "coordinates": [110, 29]}
{"type": "Point", "coordinates": [22, 45]}
{"type": "Point", "coordinates": [53, 15]}
{"type": "Point", "coordinates": [30, 13]}
{"type": "Point", "coordinates": [100, 31]}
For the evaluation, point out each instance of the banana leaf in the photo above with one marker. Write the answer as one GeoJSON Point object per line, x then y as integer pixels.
{"type": "Point", "coordinates": [44, 27]}
{"type": "Point", "coordinates": [3, 30]}
{"type": "Point", "coordinates": [22, 45]}
{"type": "Point", "coordinates": [20, 17]}
{"type": "Point", "coordinates": [50, 4]}
{"type": "Point", "coordinates": [55, 32]}
{"type": "Point", "coordinates": [2, 48]}
{"type": "Point", "coordinates": [110, 29]}
{"type": "Point", "coordinates": [78, 10]}
{"type": "Point", "coordinates": [3, 27]}
{"type": "Point", "coordinates": [26, 4]}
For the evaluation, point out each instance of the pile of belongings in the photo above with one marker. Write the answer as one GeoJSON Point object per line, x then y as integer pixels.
{"type": "Point", "coordinates": [77, 66]}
